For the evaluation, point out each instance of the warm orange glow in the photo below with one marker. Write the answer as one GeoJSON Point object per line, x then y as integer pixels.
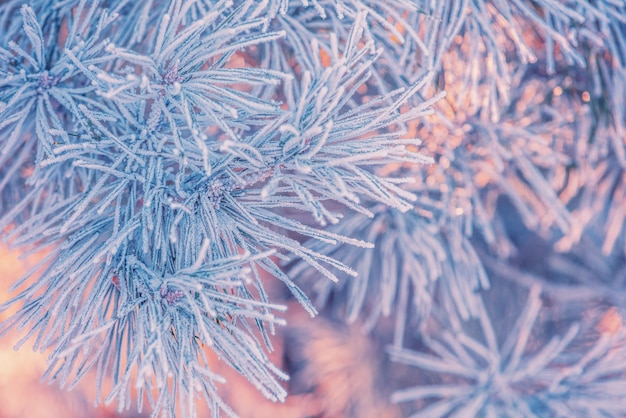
{"type": "Point", "coordinates": [586, 96]}
{"type": "Point", "coordinates": [21, 392]}
{"type": "Point", "coordinates": [324, 58]}
{"type": "Point", "coordinates": [400, 30]}
{"type": "Point", "coordinates": [611, 322]}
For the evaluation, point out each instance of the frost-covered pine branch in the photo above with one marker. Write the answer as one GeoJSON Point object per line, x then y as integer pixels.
{"type": "Point", "coordinates": [528, 147]}
{"type": "Point", "coordinates": [154, 166]}
{"type": "Point", "coordinates": [473, 371]}
{"type": "Point", "coordinates": [173, 158]}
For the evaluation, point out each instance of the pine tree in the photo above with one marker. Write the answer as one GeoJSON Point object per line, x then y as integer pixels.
{"type": "Point", "coordinates": [407, 160]}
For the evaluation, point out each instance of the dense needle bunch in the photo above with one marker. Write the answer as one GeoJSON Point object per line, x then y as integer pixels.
{"type": "Point", "coordinates": [172, 158]}
{"type": "Point", "coordinates": [528, 143]}
{"type": "Point", "coordinates": [512, 375]}
{"type": "Point", "coordinates": [153, 158]}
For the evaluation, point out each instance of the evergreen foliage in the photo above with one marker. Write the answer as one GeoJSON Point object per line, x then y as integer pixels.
{"type": "Point", "coordinates": [387, 158]}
